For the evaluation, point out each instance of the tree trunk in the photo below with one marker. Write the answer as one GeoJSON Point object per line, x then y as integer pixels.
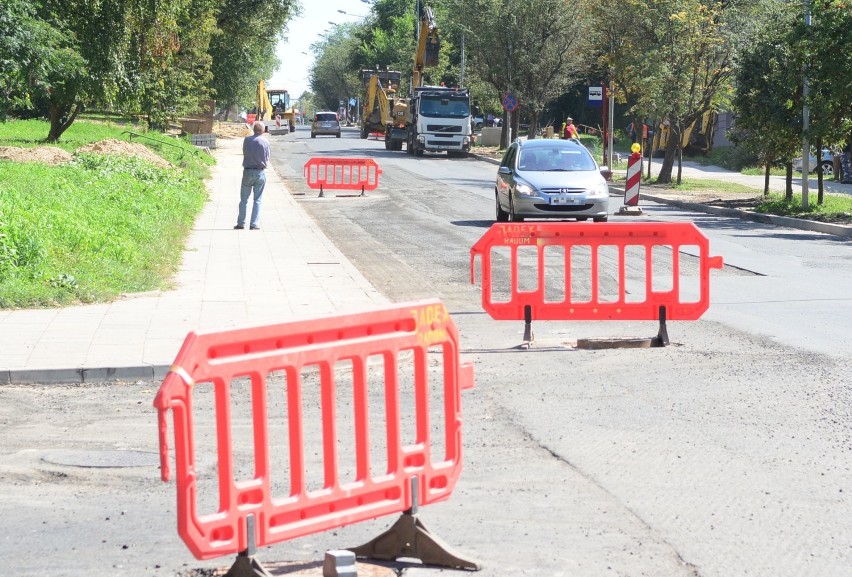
{"type": "Point", "coordinates": [516, 122]}
{"type": "Point", "coordinates": [533, 132]}
{"type": "Point", "coordinates": [665, 174]}
{"type": "Point", "coordinates": [788, 188]}
{"type": "Point", "coordinates": [504, 132]}
{"type": "Point", "coordinates": [679, 155]}
{"type": "Point", "coordinates": [61, 117]}
{"type": "Point", "coordinates": [820, 191]}
{"type": "Point", "coordinates": [766, 180]}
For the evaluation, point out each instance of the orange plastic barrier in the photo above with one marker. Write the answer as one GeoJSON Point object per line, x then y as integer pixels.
{"type": "Point", "coordinates": [248, 513]}
{"type": "Point", "coordinates": [645, 255]}
{"type": "Point", "coordinates": [342, 173]}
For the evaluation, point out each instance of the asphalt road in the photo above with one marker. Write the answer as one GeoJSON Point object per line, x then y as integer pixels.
{"type": "Point", "coordinates": [726, 454]}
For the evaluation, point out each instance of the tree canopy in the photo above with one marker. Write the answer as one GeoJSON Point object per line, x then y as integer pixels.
{"type": "Point", "coordinates": [158, 60]}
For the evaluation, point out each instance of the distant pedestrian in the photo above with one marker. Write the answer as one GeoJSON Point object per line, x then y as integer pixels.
{"type": "Point", "coordinates": [570, 129]}
{"type": "Point", "coordinates": [255, 160]}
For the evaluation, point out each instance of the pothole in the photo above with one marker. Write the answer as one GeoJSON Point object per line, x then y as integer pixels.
{"type": "Point", "coordinates": [102, 459]}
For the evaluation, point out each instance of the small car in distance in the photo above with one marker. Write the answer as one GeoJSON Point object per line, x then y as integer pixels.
{"type": "Point", "coordinates": [327, 123]}
{"type": "Point", "coordinates": [547, 178]}
{"type": "Point", "coordinates": [827, 162]}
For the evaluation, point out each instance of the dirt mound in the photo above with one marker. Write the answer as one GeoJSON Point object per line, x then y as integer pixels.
{"type": "Point", "coordinates": [231, 130]}
{"type": "Point", "coordinates": [112, 146]}
{"type": "Point", "coordinates": [44, 154]}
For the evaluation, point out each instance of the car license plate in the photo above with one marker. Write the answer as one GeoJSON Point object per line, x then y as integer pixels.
{"type": "Point", "coordinates": [562, 199]}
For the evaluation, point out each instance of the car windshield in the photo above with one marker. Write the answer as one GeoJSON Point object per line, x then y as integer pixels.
{"type": "Point", "coordinates": [555, 159]}
{"type": "Point", "coordinates": [327, 117]}
{"type": "Point", "coordinates": [436, 107]}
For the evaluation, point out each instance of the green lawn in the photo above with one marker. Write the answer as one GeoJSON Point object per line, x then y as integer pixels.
{"type": "Point", "coordinates": [98, 226]}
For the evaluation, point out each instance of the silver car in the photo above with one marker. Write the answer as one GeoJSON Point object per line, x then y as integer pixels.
{"type": "Point", "coordinates": [325, 123]}
{"type": "Point", "coordinates": [547, 178]}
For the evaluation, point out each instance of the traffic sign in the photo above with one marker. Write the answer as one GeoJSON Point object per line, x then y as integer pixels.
{"type": "Point", "coordinates": [595, 96]}
{"type": "Point", "coordinates": [510, 103]}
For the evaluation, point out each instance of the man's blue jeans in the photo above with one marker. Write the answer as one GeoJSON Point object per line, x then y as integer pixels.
{"type": "Point", "coordinates": [252, 180]}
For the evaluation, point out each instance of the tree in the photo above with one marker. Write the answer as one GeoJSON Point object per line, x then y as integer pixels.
{"type": "Point", "coordinates": [532, 48]}
{"type": "Point", "coordinates": [822, 54]}
{"type": "Point", "coordinates": [25, 51]}
{"type": "Point", "coordinates": [676, 57]}
{"type": "Point", "coordinates": [243, 52]}
{"type": "Point", "coordinates": [333, 75]}
{"type": "Point", "coordinates": [768, 98]}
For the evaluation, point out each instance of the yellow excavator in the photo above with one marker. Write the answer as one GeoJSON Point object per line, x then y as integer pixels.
{"type": "Point", "coordinates": [698, 136]}
{"type": "Point", "coordinates": [274, 102]}
{"type": "Point", "coordinates": [384, 112]}
{"type": "Point", "coordinates": [428, 44]}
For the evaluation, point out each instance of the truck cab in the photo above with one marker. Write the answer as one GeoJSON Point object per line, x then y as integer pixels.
{"type": "Point", "coordinates": [439, 120]}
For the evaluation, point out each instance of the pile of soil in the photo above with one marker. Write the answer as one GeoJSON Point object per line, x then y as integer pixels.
{"type": "Point", "coordinates": [231, 130]}
{"type": "Point", "coordinates": [44, 154]}
{"type": "Point", "coordinates": [53, 156]}
{"type": "Point", "coordinates": [112, 146]}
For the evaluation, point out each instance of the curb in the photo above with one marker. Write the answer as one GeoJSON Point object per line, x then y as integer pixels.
{"type": "Point", "coordinates": [82, 376]}
{"type": "Point", "coordinates": [789, 222]}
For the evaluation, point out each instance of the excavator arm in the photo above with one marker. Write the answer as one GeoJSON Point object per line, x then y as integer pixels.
{"type": "Point", "coordinates": [428, 44]}
{"type": "Point", "coordinates": [370, 101]}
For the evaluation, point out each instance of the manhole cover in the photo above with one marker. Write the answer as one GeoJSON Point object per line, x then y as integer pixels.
{"type": "Point", "coordinates": [615, 343]}
{"type": "Point", "coordinates": [102, 459]}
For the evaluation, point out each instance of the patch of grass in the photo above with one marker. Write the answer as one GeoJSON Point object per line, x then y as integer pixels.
{"type": "Point", "coordinates": [761, 171]}
{"type": "Point", "coordinates": [704, 185]}
{"type": "Point", "coordinates": [95, 228]}
{"type": "Point", "coordinates": [834, 207]}
{"type": "Point", "coordinates": [31, 133]}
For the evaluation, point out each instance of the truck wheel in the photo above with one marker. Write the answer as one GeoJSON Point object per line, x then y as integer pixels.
{"type": "Point", "coordinates": [418, 151]}
{"type": "Point", "coordinates": [364, 132]}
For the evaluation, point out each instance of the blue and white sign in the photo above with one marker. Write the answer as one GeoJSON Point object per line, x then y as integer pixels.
{"type": "Point", "coordinates": [595, 95]}
{"type": "Point", "coordinates": [351, 102]}
{"type": "Point", "coordinates": [510, 103]}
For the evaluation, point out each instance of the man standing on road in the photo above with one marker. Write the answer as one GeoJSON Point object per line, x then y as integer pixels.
{"type": "Point", "coordinates": [255, 159]}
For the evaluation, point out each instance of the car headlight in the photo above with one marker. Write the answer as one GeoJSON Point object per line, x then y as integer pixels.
{"type": "Point", "coordinates": [598, 190]}
{"type": "Point", "coordinates": [525, 189]}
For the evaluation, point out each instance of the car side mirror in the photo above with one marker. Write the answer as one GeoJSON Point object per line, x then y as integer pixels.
{"type": "Point", "coordinates": [606, 173]}
{"type": "Point", "coordinates": [504, 170]}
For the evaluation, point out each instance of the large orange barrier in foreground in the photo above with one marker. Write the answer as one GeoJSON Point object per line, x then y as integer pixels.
{"type": "Point", "coordinates": [249, 513]}
{"type": "Point", "coordinates": [342, 174]}
{"type": "Point", "coordinates": [591, 271]}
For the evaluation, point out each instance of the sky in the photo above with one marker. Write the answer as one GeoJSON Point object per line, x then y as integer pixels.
{"type": "Point", "coordinates": [295, 52]}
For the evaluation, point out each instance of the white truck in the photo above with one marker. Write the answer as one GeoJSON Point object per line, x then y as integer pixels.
{"type": "Point", "coordinates": [439, 120]}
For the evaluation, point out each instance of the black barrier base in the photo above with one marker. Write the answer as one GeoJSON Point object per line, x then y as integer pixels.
{"type": "Point", "coordinates": [247, 566]}
{"type": "Point", "coordinates": [528, 334]}
{"type": "Point", "coordinates": [662, 338]}
{"type": "Point", "coordinates": [409, 538]}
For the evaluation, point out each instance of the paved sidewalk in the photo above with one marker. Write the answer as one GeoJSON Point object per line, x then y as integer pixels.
{"type": "Point", "coordinates": [228, 278]}
{"type": "Point", "coordinates": [776, 183]}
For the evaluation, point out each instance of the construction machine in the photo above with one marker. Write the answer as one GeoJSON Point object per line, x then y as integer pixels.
{"type": "Point", "coordinates": [275, 102]}
{"type": "Point", "coordinates": [438, 117]}
{"type": "Point", "coordinates": [384, 112]}
{"type": "Point", "coordinates": [697, 138]}
{"type": "Point", "coordinates": [279, 99]}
